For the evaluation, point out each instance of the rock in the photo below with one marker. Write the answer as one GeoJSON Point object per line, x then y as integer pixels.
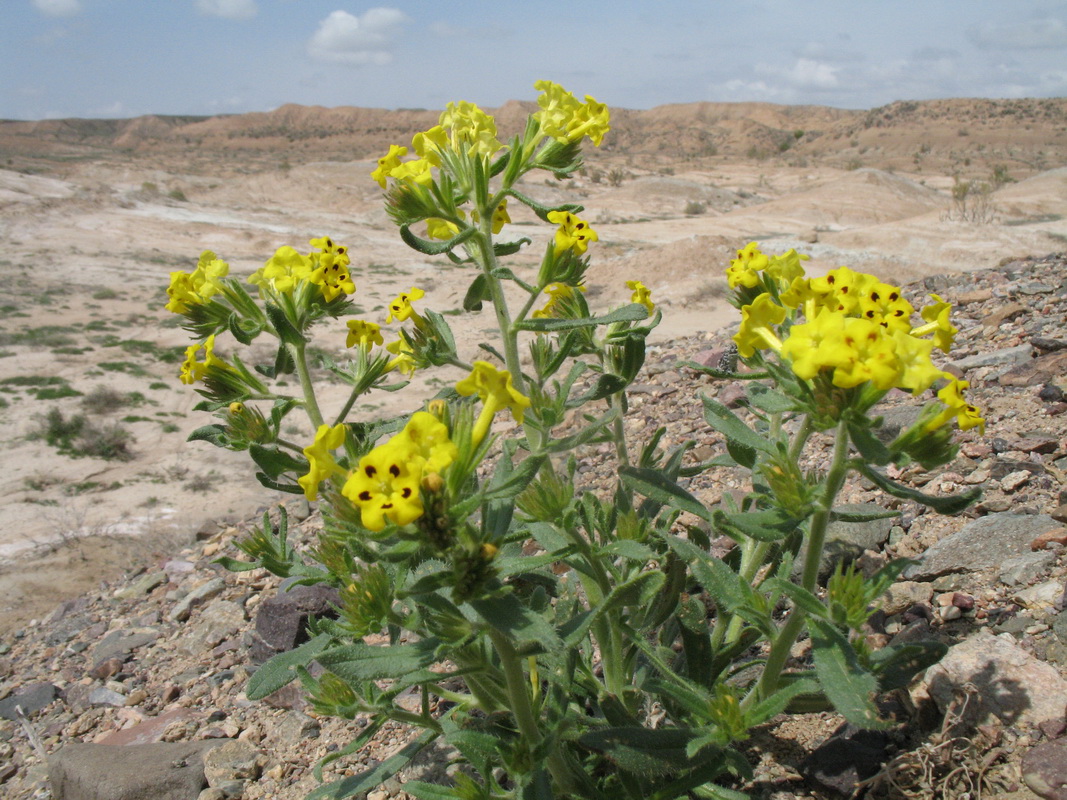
{"type": "Point", "coordinates": [234, 760]}
{"type": "Point", "coordinates": [1012, 685]}
{"type": "Point", "coordinates": [1014, 481]}
{"type": "Point", "coordinates": [142, 585]}
{"type": "Point", "coordinates": [1012, 356]}
{"type": "Point", "coordinates": [162, 771]}
{"type": "Point", "coordinates": [30, 699]}
{"type": "Point", "coordinates": [281, 621]}
{"type": "Point", "coordinates": [102, 696]}
{"type": "Point", "coordinates": [149, 731]}
{"type": "Point", "coordinates": [903, 595]}
{"type": "Point", "coordinates": [1022, 570]}
{"type": "Point", "coordinates": [201, 594]}
{"type": "Point", "coordinates": [981, 544]}
{"type": "Point", "coordinates": [120, 643]}
{"type": "Point", "coordinates": [1044, 595]}
{"type": "Point", "coordinates": [1060, 513]}
{"type": "Point", "coordinates": [1047, 368]}
{"type": "Point", "coordinates": [1056, 536]}
{"type": "Point", "coordinates": [219, 620]}
{"type": "Point", "coordinates": [999, 316]}
{"type": "Point", "coordinates": [1044, 770]}
{"type": "Point", "coordinates": [849, 756]}
{"type": "Point", "coordinates": [896, 419]}
{"type": "Point", "coordinates": [846, 541]}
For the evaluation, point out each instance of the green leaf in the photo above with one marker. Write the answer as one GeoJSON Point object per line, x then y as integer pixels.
{"type": "Point", "coordinates": [216, 434]}
{"type": "Point", "coordinates": [606, 384]}
{"type": "Point", "coordinates": [280, 670]}
{"type": "Point", "coordinates": [799, 595]}
{"type": "Point", "coordinates": [768, 525]}
{"type": "Point", "coordinates": [771, 400]}
{"type": "Point", "coordinates": [779, 701]}
{"type": "Point", "coordinates": [638, 591]}
{"type": "Point", "coordinates": [477, 293]}
{"type": "Point", "coordinates": [742, 454]}
{"type": "Point", "coordinates": [717, 578]}
{"type": "Point", "coordinates": [283, 326]}
{"type": "Point", "coordinates": [896, 665]}
{"type": "Point", "coordinates": [730, 425]}
{"type": "Point", "coordinates": [861, 514]}
{"type": "Point", "coordinates": [372, 778]}
{"type": "Point", "coordinates": [270, 483]}
{"type": "Point", "coordinates": [847, 684]}
{"type": "Point", "coordinates": [951, 504]}
{"type": "Point", "coordinates": [432, 248]}
{"type": "Point", "coordinates": [629, 549]}
{"type": "Point", "coordinates": [654, 485]}
{"type": "Point", "coordinates": [868, 445]}
{"type": "Point", "coordinates": [360, 662]}
{"type": "Point", "coordinates": [275, 462]}
{"type": "Point", "coordinates": [628, 313]}
{"type": "Point", "coordinates": [641, 751]}
{"type": "Point", "coordinates": [509, 616]}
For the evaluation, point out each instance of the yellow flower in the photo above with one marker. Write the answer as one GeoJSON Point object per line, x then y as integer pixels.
{"type": "Point", "coordinates": [197, 287]}
{"type": "Point", "coordinates": [496, 391]}
{"type": "Point", "coordinates": [437, 228]}
{"type": "Point", "coordinates": [364, 334]}
{"type": "Point", "coordinates": [786, 268]}
{"type": "Point", "coordinates": [937, 322]}
{"type": "Point", "coordinates": [193, 370]}
{"type": "Point", "coordinates": [385, 487]}
{"type": "Point", "coordinates": [917, 371]}
{"type": "Point", "coordinates": [756, 321]}
{"type": "Point", "coordinates": [885, 305]}
{"type": "Point", "coordinates": [500, 216]}
{"type": "Point", "coordinates": [283, 271]}
{"type": "Point", "coordinates": [744, 270]}
{"type": "Point", "coordinates": [967, 415]}
{"type": "Point", "coordinates": [387, 163]}
{"type": "Point", "coordinates": [331, 273]}
{"type": "Point", "coordinates": [400, 309]}
{"type": "Point", "coordinates": [404, 363]}
{"type": "Point", "coordinates": [565, 119]}
{"type": "Point", "coordinates": [842, 288]}
{"type": "Point", "coordinates": [871, 356]}
{"type": "Point", "coordinates": [430, 443]}
{"type": "Point", "coordinates": [641, 294]}
{"type": "Point", "coordinates": [429, 144]}
{"type": "Point", "coordinates": [816, 344]}
{"type": "Point", "coordinates": [320, 458]}
{"type": "Point", "coordinates": [558, 294]}
{"type": "Point", "coordinates": [573, 233]}
{"type": "Point", "coordinates": [418, 171]}
{"type": "Point", "coordinates": [471, 129]}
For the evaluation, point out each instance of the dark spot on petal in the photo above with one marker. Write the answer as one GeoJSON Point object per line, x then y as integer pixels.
{"type": "Point", "coordinates": [364, 496]}
{"type": "Point", "coordinates": [370, 471]}
{"type": "Point", "coordinates": [406, 493]}
{"type": "Point", "coordinates": [394, 470]}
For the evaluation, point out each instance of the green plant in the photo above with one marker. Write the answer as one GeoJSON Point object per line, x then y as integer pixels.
{"type": "Point", "coordinates": [694, 208]}
{"type": "Point", "coordinates": [566, 643]}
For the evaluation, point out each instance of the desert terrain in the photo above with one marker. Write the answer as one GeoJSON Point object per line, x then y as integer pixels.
{"type": "Point", "coordinates": [95, 214]}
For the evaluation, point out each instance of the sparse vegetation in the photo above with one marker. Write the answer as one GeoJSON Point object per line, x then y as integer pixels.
{"type": "Point", "coordinates": [76, 436]}
{"type": "Point", "coordinates": [971, 202]}
{"type": "Point", "coordinates": [694, 208]}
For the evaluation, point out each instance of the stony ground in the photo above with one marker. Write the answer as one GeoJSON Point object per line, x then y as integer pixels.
{"type": "Point", "coordinates": [163, 655]}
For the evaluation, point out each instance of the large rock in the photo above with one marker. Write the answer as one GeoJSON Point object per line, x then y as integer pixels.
{"type": "Point", "coordinates": [982, 544]}
{"type": "Point", "coordinates": [281, 621]}
{"type": "Point", "coordinates": [161, 771]}
{"type": "Point", "coordinates": [1045, 770]}
{"type": "Point", "coordinates": [1012, 685]}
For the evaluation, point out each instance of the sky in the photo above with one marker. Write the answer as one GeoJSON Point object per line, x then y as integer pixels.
{"type": "Point", "coordinates": [125, 58]}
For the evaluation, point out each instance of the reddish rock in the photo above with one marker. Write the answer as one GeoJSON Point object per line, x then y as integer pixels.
{"type": "Point", "coordinates": [149, 731]}
{"type": "Point", "coordinates": [1054, 536]}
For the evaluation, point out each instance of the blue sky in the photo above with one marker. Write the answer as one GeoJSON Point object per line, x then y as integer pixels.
{"type": "Point", "coordinates": [124, 58]}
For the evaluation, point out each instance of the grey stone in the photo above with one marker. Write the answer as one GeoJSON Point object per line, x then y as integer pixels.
{"type": "Point", "coordinates": [120, 643]}
{"type": "Point", "coordinates": [102, 696]}
{"type": "Point", "coordinates": [902, 595]}
{"type": "Point", "coordinates": [142, 585]}
{"type": "Point", "coordinates": [281, 621]}
{"type": "Point", "coordinates": [201, 594]}
{"type": "Point", "coordinates": [846, 541]}
{"type": "Point", "coordinates": [1010, 356]}
{"type": "Point", "coordinates": [1024, 569]}
{"type": "Point", "coordinates": [234, 760]}
{"type": "Point", "coordinates": [160, 771]}
{"type": "Point", "coordinates": [30, 699]}
{"type": "Point", "coordinates": [982, 544]}
{"type": "Point", "coordinates": [895, 420]}
{"type": "Point", "coordinates": [1044, 770]}
{"type": "Point", "coordinates": [218, 620]}
{"type": "Point", "coordinates": [1013, 685]}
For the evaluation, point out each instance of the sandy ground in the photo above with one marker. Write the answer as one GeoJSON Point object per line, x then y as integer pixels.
{"type": "Point", "coordinates": [85, 264]}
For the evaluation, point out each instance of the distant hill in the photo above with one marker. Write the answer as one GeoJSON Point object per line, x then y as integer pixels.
{"type": "Point", "coordinates": [947, 136]}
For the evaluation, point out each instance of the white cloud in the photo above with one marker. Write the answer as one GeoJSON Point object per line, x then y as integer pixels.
{"type": "Point", "coordinates": [58, 8]}
{"type": "Point", "coordinates": [805, 74]}
{"type": "Point", "coordinates": [1033, 34]}
{"type": "Point", "coordinates": [228, 9]}
{"type": "Point", "coordinates": [366, 39]}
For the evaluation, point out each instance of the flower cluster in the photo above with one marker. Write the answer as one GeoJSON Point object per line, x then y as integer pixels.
{"type": "Point", "coordinates": [847, 325]}
{"type": "Point", "coordinates": [566, 119]}
{"type": "Point", "coordinates": [385, 484]}
{"type": "Point", "coordinates": [188, 289]}
{"type": "Point", "coordinates": [326, 267]}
